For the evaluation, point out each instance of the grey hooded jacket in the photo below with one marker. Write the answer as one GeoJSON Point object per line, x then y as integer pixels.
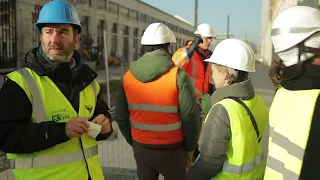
{"type": "Point", "coordinates": [216, 131]}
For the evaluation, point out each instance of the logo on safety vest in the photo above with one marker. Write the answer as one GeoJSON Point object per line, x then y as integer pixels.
{"type": "Point", "coordinates": [89, 108]}
{"type": "Point", "coordinates": [60, 115]}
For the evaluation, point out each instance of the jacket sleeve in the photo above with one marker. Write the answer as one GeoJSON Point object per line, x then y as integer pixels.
{"type": "Point", "coordinates": [102, 108]}
{"type": "Point", "coordinates": [216, 135]}
{"type": "Point", "coordinates": [189, 111]}
{"type": "Point", "coordinates": [123, 114]}
{"type": "Point", "coordinates": [182, 56]}
{"type": "Point", "coordinates": [17, 132]}
{"type": "Point", "coordinates": [311, 156]}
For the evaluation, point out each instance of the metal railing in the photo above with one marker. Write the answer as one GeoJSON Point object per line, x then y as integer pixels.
{"type": "Point", "coordinates": [116, 156]}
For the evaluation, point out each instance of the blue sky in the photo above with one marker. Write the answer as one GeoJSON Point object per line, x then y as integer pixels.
{"type": "Point", "coordinates": [245, 19]}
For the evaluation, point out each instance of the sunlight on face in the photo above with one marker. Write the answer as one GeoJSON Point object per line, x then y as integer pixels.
{"type": "Point", "coordinates": [218, 77]}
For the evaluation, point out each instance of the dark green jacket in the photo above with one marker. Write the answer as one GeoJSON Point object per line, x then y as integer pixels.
{"type": "Point", "coordinates": [148, 68]}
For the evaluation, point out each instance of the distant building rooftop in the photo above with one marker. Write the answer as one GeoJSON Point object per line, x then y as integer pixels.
{"type": "Point", "coordinates": [181, 19]}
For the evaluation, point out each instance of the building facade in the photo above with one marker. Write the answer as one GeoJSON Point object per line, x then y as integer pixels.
{"type": "Point", "coordinates": [123, 20]}
{"type": "Point", "coordinates": [270, 10]}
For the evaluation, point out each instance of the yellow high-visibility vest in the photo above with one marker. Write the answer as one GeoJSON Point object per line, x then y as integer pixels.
{"type": "Point", "coordinates": [244, 154]}
{"type": "Point", "coordinates": [290, 119]}
{"type": "Point", "coordinates": [67, 160]}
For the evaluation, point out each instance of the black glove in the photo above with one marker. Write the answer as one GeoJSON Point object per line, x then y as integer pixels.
{"type": "Point", "coordinates": [194, 46]}
{"type": "Point", "coordinates": [198, 40]}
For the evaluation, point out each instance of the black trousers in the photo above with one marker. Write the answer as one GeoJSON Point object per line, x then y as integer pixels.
{"type": "Point", "coordinates": [169, 163]}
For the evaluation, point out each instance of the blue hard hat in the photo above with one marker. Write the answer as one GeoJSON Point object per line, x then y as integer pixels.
{"type": "Point", "coordinates": [58, 12]}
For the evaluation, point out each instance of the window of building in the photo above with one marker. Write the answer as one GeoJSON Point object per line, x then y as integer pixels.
{"type": "Point", "coordinates": [143, 17]}
{"type": "Point", "coordinates": [134, 14]}
{"type": "Point", "coordinates": [135, 32]}
{"type": "Point", "coordinates": [126, 30]}
{"type": "Point", "coordinates": [148, 19]}
{"type": "Point", "coordinates": [101, 27]}
{"type": "Point", "coordinates": [36, 35]}
{"type": "Point", "coordinates": [101, 4]}
{"type": "Point", "coordinates": [135, 43]}
{"type": "Point", "coordinates": [152, 19]}
{"type": "Point", "coordinates": [124, 11]}
{"type": "Point", "coordinates": [113, 7]}
{"type": "Point", "coordinates": [126, 43]}
{"type": "Point", "coordinates": [114, 43]}
{"type": "Point", "coordinates": [178, 42]}
{"type": "Point", "coordinates": [176, 29]}
{"type": "Point", "coordinates": [114, 28]}
{"type": "Point", "coordinates": [114, 40]}
{"type": "Point", "coordinates": [105, 4]}
{"type": "Point", "coordinates": [8, 45]}
{"type": "Point", "coordinates": [85, 25]}
{"type": "Point", "coordinates": [84, 2]}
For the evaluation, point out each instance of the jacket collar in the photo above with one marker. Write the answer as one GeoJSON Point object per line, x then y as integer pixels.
{"type": "Point", "coordinates": [244, 90]}
{"type": "Point", "coordinates": [158, 52]}
{"type": "Point", "coordinates": [309, 79]}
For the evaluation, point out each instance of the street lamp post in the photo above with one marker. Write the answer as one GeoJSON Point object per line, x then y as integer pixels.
{"type": "Point", "coordinates": [228, 25]}
{"type": "Point", "coordinates": [196, 15]}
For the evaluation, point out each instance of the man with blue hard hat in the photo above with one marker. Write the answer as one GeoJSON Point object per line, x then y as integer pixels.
{"type": "Point", "coordinates": [51, 113]}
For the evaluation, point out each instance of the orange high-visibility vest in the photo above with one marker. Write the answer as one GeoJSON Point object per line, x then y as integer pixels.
{"type": "Point", "coordinates": [199, 76]}
{"type": "Point", "coordinates": [153, 107]}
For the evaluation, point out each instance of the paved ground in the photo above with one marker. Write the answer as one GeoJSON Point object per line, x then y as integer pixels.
{"type": "Point", "coordinates": [116, 155]}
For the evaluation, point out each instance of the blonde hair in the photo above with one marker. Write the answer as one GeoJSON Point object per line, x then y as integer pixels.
{"type": "Point", "coordinates": [233, 75]}
{"type": "Point", "coordinates": [224, 69]}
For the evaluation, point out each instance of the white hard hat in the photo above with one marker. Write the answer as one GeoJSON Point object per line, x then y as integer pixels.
{"type": "Point", "coordinates": [291, 27]}
{"type": "Point", "coordinates": [205, 30]}
{"type": "Point", "coordinates": [157, 33]}
{"type": "Point", "coordinates": [294, 25]}
{"type": "Point", "coordinates": [235, 54]}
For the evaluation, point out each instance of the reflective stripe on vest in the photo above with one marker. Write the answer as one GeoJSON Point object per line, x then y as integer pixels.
{"type": "Point", "coordinates": [287, 117]}
{"type": "Point", "coordinates": [244, 153]}
{"type": "Point", "coordinates": [291, 148]}
{"type": "Point", "coordinates": [151, 127]}
{"type": "Point", "coordinates": [247, 167]}
{"type": "Point", "coordinates": [154, 115]}
{"type": "Point", "coordinates": [47, 161]}
{"type": "Point", "coordinates": [155, 108]}
{"type": "Point", "coordinates": [285, 143]}
{"type": "Point", "coordinates": [280, 167]}
{"type": "Point", "coordinates": [184, 57]}
{"type": "Point", "coordinates": [37, 105]}
{"type": "Point", "coordinates": [183, 61]}
{"type": "Point", "coordinates": [40, 116]}
{"type": "Point", "coordinates": [194, 78]}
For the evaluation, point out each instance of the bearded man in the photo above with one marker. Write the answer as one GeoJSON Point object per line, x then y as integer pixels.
{"type": "Point", "coordinates": [49, 109]}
